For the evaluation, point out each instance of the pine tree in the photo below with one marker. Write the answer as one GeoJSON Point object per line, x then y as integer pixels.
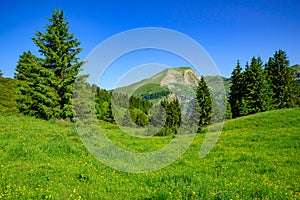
{"type": "Point", "coordinates": [37, 98]}
{"type": "Point", "coordinates": [1, 74]}
{"type": "Point", "coordinates": [205, 103]}
{"type": "Point", "coordinates": [228, 114]}
{"type": "Point", "coordinates": [173, 116]}
{"type": "Point", "coordinates": [282, 81]}
{"type": "Point", "coordinates": [236, 90]}
{"type": "Point", "coordinates": [157, 116]}
{"type": "Point", "coordinates": [60, 50]}
{"type": "Point", "coordinates": [175, 112]}
{"type": "Point", "coordinates": [83, 102]}
{"type": "Point", "coordinates": [126, 120]}
{"type": "Point", "coordinates": [257, 92]}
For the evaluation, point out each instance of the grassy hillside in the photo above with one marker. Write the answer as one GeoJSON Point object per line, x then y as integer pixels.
{"type": "Point", "coordinates": [8, 95]}
{"type": "Point", "coordinates": [151, 89]}
{"type": "Point", "coordinates": [256, 156]}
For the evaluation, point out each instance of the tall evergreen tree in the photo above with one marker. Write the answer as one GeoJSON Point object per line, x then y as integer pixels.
{"type": "Point", "coordinates": [83, 102]}
{"type": "Point", "coordinates": [205, 103]}
{"type": "Point", "coordinates": [157, 116]}
{"type": "Point", "coordinates": [175, 112]}
{"type": "Point", "coordinates": [1, 74]}
{"type": "Point", "coordinates": [236, 90]}
{"type": "Point", "coordinates": [257, 92]}
{"type": "Point", "coordinates": [282, 81]}
{"type": "Point", "coordinates": [60, 50]}
{"type": "Point", "coordinates": [37, 98]}
{"type": "Point", "coordinates": [50, 79]}
{"type": "Point", "coordinates": [228, 113]}
{"type": "Point", "coordinates": [173, 117]}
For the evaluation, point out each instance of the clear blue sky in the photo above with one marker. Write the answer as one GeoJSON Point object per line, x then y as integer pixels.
{"type": "Point", "coordinates": [228, 30]}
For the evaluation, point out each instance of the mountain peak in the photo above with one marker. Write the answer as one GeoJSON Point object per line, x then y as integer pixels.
{"type": "Point", "coordinates": [179, 76]}
{"type": "Point", "coordinates": [180, 81]}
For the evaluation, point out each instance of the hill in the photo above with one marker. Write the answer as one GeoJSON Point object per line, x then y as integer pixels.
{"type": "Point", "coordinates": [256, 157]}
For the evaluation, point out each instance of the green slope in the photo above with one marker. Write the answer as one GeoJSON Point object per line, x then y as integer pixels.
{"type": "Point", "coordinates": [129, 89]}
{"type": "Point", "coordinates": [152, 91]}
{"type": "Point", "coordinates": [150, 88]}
{"type": "Point", "coordinates": [256, 157]}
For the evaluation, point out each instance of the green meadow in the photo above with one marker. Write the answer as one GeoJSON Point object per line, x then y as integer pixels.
{"type": "Point", "coordinates": [256, 157]}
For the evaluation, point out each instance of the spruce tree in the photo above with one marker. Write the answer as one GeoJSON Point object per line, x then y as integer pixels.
{"type": "Point", "coordinates": [236, 90]}
{"type": "Point", "coordinates": [36, 96]}
{"type": "Point", "coordinates": [83, 102]}
{"type": "Point", "coordinates": [127, 121]}
{"type": "Point", "coordinates": [28, 67]}
{"type": "Point", "coordinates": [282, 81]}
{"type": "Point", "coordinates": [157, 116]}
{"type": "Point", "coordinates": [204, 102]}
{"type": "Point", "coordinates": [228, 113]}
{"type": "Point", "coordinates": [175, 112]}
{"type": "Point", "coordinates": [257, 92]}
{"type": "Point", "coordinates": [60, 49]}
{"type": "Point", "coordinates": [173, 116]}
{"type": "Point", "coordinates": [46, 84]}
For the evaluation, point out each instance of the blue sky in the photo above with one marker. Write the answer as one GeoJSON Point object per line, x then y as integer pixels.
{"type": "Point", "coordinates": [228, 30]}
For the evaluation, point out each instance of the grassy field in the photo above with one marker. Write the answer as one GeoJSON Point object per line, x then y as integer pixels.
{"type": "Point", "coordinates": [256, 157]}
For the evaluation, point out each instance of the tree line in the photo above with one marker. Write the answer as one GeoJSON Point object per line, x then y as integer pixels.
{"type": "Point", "coordinates": [260, 87]}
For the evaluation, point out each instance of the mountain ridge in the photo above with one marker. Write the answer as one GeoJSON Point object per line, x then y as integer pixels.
{"type": "Point", "coordinates": [181, 81]}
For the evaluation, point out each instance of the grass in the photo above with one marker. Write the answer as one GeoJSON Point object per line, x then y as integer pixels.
{"type": "Point", "coordinates": [150, 88]}
{"type": "Point", "coordinates": [256, 157]}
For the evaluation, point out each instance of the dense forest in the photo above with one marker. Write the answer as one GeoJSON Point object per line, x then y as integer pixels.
{"type": "Point", "coordinates": [261, 87]}
{"type": "Point", "coordinates": [45, 87]}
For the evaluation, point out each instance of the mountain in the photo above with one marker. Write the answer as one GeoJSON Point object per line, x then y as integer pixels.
{"type": "Point", "coordinates": [180, 81]}
{"type": "Point", "coordinates": [175, 80]}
